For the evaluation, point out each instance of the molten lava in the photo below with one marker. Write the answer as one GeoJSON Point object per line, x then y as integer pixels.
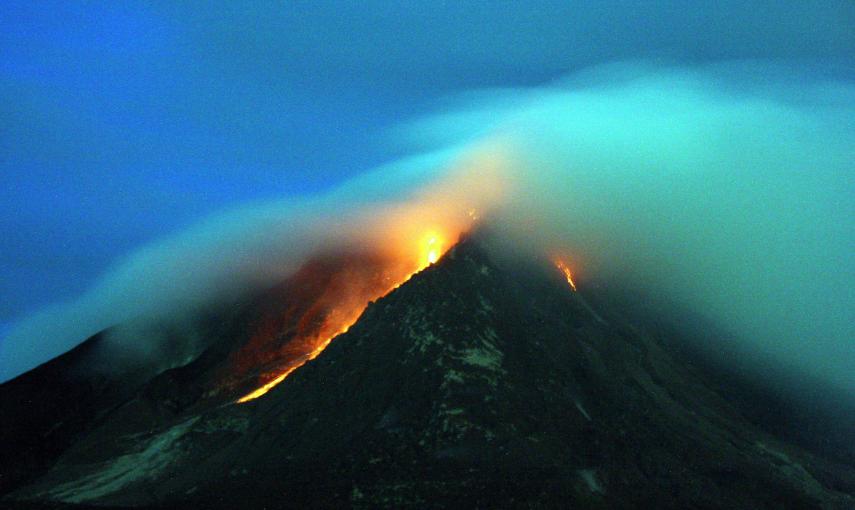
{"type": "Point", "coordinates": [362, 258]}
{"type": "Point", "coordinates": [432, 250]}
{"type": "Point", "coordinates": [320, 302]}
{"type": "Point", "coordinates": [567, 274]}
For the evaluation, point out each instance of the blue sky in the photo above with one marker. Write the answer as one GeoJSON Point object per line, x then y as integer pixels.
{"type": "Point", "coordinates": [121, 123]}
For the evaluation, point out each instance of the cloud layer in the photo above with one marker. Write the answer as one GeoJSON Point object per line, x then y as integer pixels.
{"type": "Point", "coordinates": [726, 189]}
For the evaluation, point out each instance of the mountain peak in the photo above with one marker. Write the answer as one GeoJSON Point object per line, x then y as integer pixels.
{"type": "Point", "coordinates": [478, 382]}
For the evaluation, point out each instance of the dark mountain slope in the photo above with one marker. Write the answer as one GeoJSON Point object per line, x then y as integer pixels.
{"type": "Point", "coordinates": [47, 409]}
{"type": "Point", "coordinates": [474, 384]}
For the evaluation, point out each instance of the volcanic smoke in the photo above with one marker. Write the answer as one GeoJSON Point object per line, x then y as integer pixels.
{"type": "Point", "coordinates": [694, 189]}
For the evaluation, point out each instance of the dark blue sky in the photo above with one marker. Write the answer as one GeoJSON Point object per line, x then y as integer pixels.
{"type": "Point", "coordinates": [120, 124]}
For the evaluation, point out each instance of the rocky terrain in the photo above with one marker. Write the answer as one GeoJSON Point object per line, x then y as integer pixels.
{"type": "Point", "coordinates": [478, 383]}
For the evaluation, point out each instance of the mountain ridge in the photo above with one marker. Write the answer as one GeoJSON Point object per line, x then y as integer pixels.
{"type": "Point", "coordinates": [477, 382]}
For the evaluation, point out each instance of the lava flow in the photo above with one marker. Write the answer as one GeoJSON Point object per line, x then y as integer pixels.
{"type": "Point", "coordinates": [567, 274]}
{"type": "Point", "coordinates": [320, 302]}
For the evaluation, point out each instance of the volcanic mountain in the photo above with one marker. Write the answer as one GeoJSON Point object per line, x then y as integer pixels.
{"type": "Point", "coordinates": [481, 381]}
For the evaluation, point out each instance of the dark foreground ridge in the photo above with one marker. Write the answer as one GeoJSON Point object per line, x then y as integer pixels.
{"type": "Point", "coordinates": [475, 384]}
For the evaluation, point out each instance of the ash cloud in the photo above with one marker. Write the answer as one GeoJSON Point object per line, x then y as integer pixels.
{"type": "Point", "coordinates": [725, 189]}
{"type": "Point", "coordinates": [164, 287]}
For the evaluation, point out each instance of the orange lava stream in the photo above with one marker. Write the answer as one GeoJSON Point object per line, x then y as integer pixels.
{"type": "Point", "coordinates": [267, 387]}
{"type": "Point", "coordinates": [431, 248]}
{"type": "Point", "coordinates": [567, 274]}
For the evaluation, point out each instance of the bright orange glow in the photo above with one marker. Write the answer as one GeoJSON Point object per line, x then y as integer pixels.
{"type": "Point", "coordinates": [267, 387]}
{"type": "Point", "coordinates": [371, 252]}
{"type": "Point", "coordinates": [567, 274]}
{"type": "Point", "coordinates": [347, 286]}
{"type": "Point", "coordinates": [432, 250]}
{"type": "Point", "coordinates": [281, 377]}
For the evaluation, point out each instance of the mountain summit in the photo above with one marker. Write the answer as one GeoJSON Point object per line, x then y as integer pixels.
{"type": "Point", "coordinates": [480, 382]}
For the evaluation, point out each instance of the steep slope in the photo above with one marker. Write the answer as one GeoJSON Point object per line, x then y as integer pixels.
{"type": "Point", "coordinates": [48, 409]}
{"type": "Point", "coordinates": [476, 383]}
{"type": "Point", "coordinates": [40, 422]}
{"type": "Point", "coordinates": [185, 369]}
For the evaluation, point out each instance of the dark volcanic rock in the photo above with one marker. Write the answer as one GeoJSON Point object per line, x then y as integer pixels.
{"type": "Point", "coordinates": [474, 384]}
{"type": "Point", "coordinates": [47, 409]}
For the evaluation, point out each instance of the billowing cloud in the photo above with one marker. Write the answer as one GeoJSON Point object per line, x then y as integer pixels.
{"type": "Point", "coordinates": [726, 190]}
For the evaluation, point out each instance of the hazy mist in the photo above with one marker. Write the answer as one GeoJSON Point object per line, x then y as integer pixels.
{"type": "Point", "coordinates": [727, 189]}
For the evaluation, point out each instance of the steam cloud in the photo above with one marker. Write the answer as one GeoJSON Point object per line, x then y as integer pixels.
{"type": "Point", "coordinates": [726, 189]}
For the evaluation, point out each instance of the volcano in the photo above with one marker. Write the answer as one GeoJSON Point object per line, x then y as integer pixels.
{"type": "Point", "coordinates": [481, 381]}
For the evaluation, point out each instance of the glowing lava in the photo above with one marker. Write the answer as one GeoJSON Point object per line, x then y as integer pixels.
{"type": "Point", "coordinates": [374, 252]}
{"type": "Point", "coordinates": [567, 274]}
{"type": "Point", "coordinates": [432, 250]}
{"type": "Point", "coordinates": [281, 377]}
{"type": "Point", "coordinates": [267, 387]}
{"type": "Point", "coordinates": [325, 298]}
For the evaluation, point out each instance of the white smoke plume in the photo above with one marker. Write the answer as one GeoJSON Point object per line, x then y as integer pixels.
{"type": "Point", "coordinates": [726, 189]}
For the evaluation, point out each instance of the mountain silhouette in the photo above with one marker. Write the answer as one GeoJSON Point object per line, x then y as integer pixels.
{"type": "Point", "coordinates": [482, 381]}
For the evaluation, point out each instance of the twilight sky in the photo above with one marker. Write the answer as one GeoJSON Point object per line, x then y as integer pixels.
{"type": "Point", "coordinates": [120, 124]}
